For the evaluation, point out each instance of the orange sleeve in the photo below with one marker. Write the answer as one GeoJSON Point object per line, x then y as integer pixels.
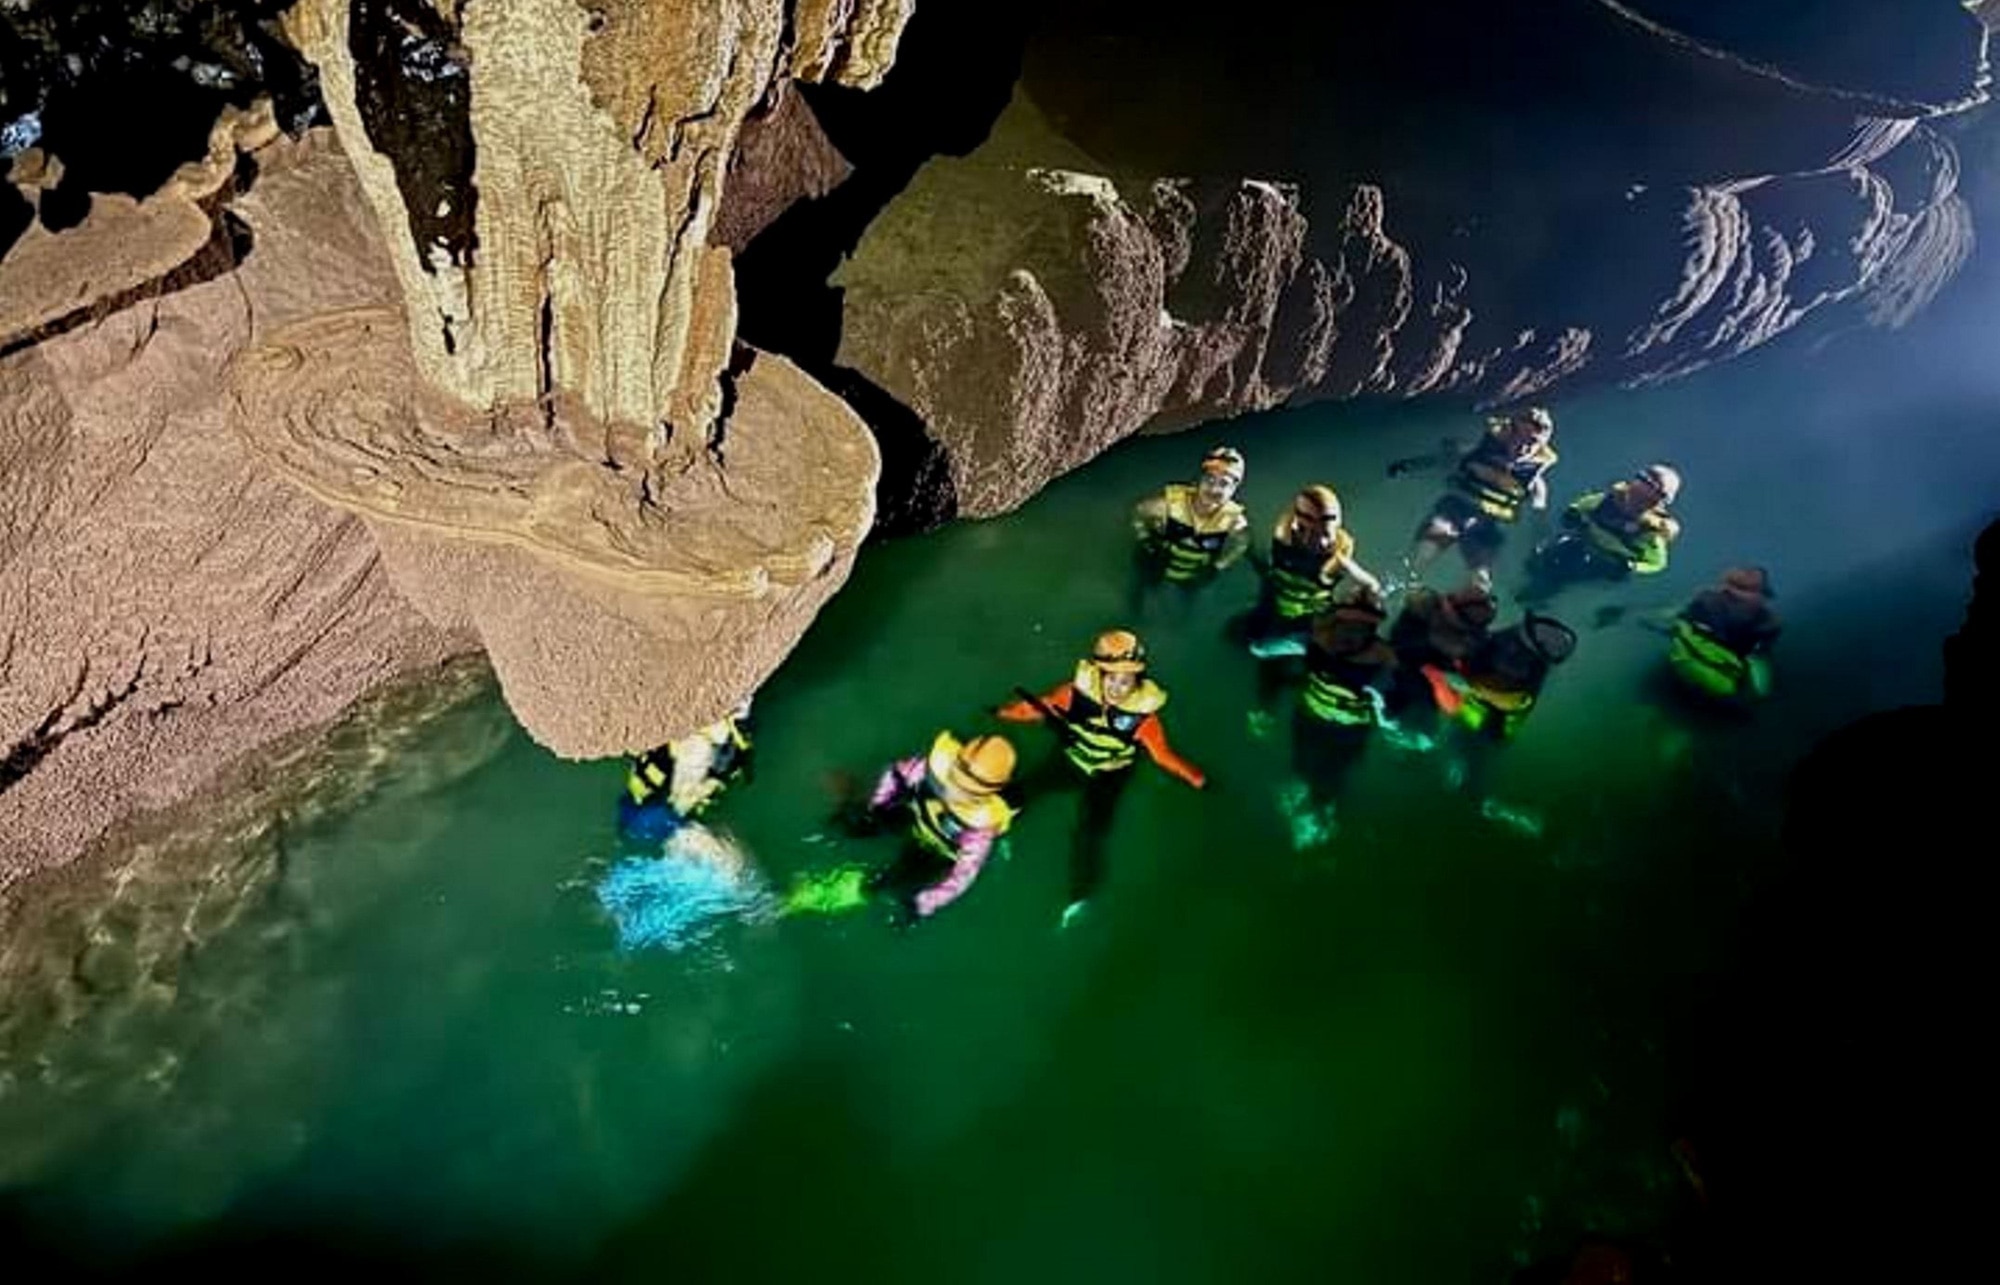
{"type": "Point", "coordinates": [1153, 737]}
{"type": "Point", "coordinates": [1022, 712]}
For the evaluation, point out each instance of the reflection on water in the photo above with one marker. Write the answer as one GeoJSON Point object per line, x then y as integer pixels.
{"type": "Point", "coordinates": [1422, 1047]}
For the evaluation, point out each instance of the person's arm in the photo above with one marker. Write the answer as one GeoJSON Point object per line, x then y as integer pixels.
{"type": "Point", "coordinates": [1149, 515]}
{"type": "Point", "coordinates": [973, 849]}
{"type": "Point", "coordinates": [1235, 546]}
{"type": "Point", "coordinates": [1152, 738]}
{"type": "Point", "coordinates": [1538, 492]}
{"type": "Point", "coordinates": [1360, 574]}
{"type": "Point", "coordinates": [897, 782]}
{"type": "Point", "coordinates": [1020, 711]}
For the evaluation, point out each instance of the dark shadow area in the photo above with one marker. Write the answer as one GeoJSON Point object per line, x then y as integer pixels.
{"type": "Point", "coordinates": [16, 216]}
{"type": "Point", "coordinates": [1834, 1090]}
{"type": "Point", "coordinates": [126, 90]}
{"type": "Point", "coordinates": [239, 1252]}
{"type": "Point", "coordinates": [954, 72]}
{"type": "Point", "coordinates": [413, 89]}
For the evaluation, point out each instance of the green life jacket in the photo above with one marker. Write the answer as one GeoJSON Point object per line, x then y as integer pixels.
{"type": "Point", "coordinates": [1704, 663]}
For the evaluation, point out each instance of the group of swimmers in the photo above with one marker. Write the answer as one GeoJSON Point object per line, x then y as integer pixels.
{"type": "Point", "coordinates": [1316, 631]}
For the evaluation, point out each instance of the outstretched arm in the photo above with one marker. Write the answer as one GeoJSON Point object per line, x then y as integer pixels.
{"type": "Point", "coordinates": [1152, 738]}
{"type": "Point", "coordinates": [1360, 574]}
{"type": "Point", "coordinates": [973, 850]}
{"type": "Point", "coordinates": [1020, 711]}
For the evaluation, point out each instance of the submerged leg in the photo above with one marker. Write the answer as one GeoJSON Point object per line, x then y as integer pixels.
{"type": "Point", "coordinates": [1093, 831]}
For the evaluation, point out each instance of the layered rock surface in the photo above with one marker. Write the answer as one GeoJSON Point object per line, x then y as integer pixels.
{"type": "Point", "coordinates": [168, 605]}
{"type": "Point", "coordinates": [265, 452]}
{"type": "Point", "coordinates": [1163, 241]}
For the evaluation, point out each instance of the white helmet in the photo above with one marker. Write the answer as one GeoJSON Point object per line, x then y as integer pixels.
{"type": "Point", "coordinates": [1666, 477]}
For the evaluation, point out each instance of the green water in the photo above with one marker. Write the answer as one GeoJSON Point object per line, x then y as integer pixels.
{"type": "Point", "coordinates": [1430, 1051]}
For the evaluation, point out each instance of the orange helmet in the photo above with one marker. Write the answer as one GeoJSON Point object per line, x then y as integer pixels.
{"type": "Point", "coordinates": [982, 765]}
{"type": "Point", "coordinates": [1118, 651]}
{"type": "Point", "coordinates": [1224, 461]}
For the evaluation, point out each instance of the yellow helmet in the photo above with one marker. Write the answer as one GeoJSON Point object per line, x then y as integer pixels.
{"type": "Point", "coordinates": [1224, 461]}
{"type": "Point", "coordinates": [1118, 651]}
{"type": "Point", "coordinates": [982, 765]}
{"type": "Point", "coordinates": [1317, 501]}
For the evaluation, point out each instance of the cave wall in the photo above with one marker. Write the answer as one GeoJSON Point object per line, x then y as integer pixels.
{"type": "Point", "coordinates": [1064, 224]}
{"type": "Point", "coordinates": [1168, 228]}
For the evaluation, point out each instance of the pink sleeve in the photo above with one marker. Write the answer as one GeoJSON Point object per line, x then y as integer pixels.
{"type": "Point", "coordinates": [972, 853]}
{"type": "Point", "coordinates": [898, 778]}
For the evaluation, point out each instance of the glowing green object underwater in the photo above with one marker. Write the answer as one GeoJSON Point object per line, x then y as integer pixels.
{"type": "Point", "coordinates": [828, 892]}
{"type": "Point", "coordinates": [1521, 821]}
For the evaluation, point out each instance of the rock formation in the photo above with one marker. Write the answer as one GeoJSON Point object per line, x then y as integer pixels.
{"type": "Point", "coordinates": [317, 413]}
{"type": "Point", "coordinates": [557, 445]}
{"type": "Point", "coordinates": [1138, 248]}
{"type": "Point", "coordinates": [167, 605]}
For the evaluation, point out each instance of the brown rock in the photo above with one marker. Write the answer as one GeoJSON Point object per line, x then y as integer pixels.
{"type": "Point", "coordinates": [782, 157]}
{"type": "Point", "coordinates": [1004, 296]}
{"type": "Point", "coordinates": [617, 616]}
{"type": "Point", "coordinates": [167, 606]}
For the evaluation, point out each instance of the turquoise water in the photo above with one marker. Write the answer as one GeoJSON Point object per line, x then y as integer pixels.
{"type": "Point", "coordinates": [1428, 1051]}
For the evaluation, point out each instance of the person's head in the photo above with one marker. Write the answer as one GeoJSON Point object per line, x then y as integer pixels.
{"type": "Point", "coordinates": [1748, 583]}
{"type": "Point", "coordinates": [1120, 661]}
{"type": "Point", "coordinates": [976, 768]}
{"type": "Point", "coordinates": [1654, 485]}
{"type": "Point", "coordinates": [1528, 428]}
{"type": "Point", "coordinates": [1316, 512]}
{"type": "Point", "coordinates": [1352, 624]}
{"type": "Point", "coordinates": [1473, 603]}
{"type": "Point", "coordinates": [1221, 475]}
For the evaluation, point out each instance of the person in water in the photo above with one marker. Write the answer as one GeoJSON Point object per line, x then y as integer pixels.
{"type": "Point", "coordinates": [1441, 630]}
{"type": "Point", "coordinates": [1106, 714]}
{"type": "Point", "coordinates": [1624, 530]}
{"type": "Point", "coordinates": [953, 802]}
{"type": "Point", "coordinates": [1189, 533]}
{"type": "Point", "coordinates": [1339, 705]}
{"type": "Point", "coordinates": [1491, 696]}
{"type": "Point", "coordinates": [677, 782]}
{"type": "Point", "coordinates": [1506, 469]}
{"type": "Point", "coordinates": [1722, 639]}
{"type": "Point", "coordinates": [1311, 555]}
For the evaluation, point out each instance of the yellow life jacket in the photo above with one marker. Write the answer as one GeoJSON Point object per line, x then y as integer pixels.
{"type": "Point", "coordinates": [940, 817]}
{"type": "Point", "coordinates": [1495, 478]}
{"type": "Point", "coordinates": [649, 776]}
{"type": "Point", "coordinates": [653, 772]}
{"type": "Point", "coordinates": [1189, 542]}
{"type": "Point", "coordinates": [1302, 580]}
{"type": "Point", "coordinates": [1105, 735]}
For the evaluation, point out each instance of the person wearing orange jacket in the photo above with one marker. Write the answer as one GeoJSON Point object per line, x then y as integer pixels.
{"type": "Point", "coordinates": [1106, 714]}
